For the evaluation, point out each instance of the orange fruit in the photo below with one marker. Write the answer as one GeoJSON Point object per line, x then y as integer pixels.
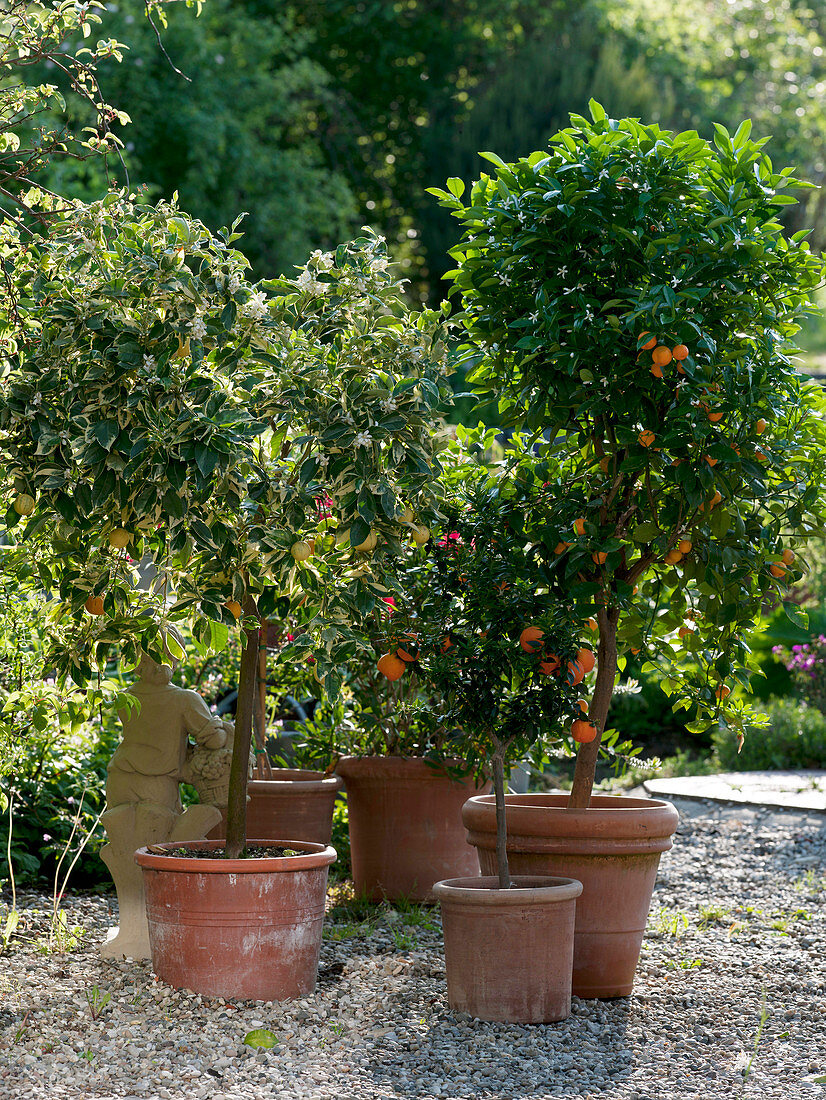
{"type": "Point", "coordinates": [119, 537]}
{"type": "Point", "coordinates": [713, 502]}
{"type": "Point", "coordinates": [760, 426]}
{"type": "Point", "coordinates": [301, 551]}
{"type": "Point", "coordinates": [585, 659]}
{"type": "Point", "coordinates": [447, 643]}
{"type": "Point", "coordinates": [549, 667]}
{"type": "Point", "coordinates": [714, 417]}
{"type": "Point", "coordinates": [680, 352]}
{"type": "Point", "coordinates": [579, 525]}
{"type": "Point", "coordinates": [599, 556]}
{"type": "Point", "coordinates": [94, 605]}
{"type": "Point", "coordinates": [673, 556]}
{"type": "Point", "coordinates": [649, 344]}
{"type": "Point", "coordinates": [646, 438]}
{"type": "Point", "coordinates": [788, 557]}
{"type": "Point", "coordinates": [531, 639]}
{"type": "Point", "coordinates": [583, 706]}
{"type": "Point", "coordinates": [561, 547]}
{"type": "Point", "coordinates": [685, 632]}
{"type": "Point", "coordinates": [657, 371]}
{"type": "Point", "coordinates": [24, 504]}
{"type": "Point", "coordinates": [407, 649]}
{"type": "Point", "coordinates": [234, 607]}
{"type": "Point", "coordinates": [777, 569]}
{"type": "Point", "coordinates": [761, 457]}
{"type": "Point", "coordinates": [366, 547]}
{"type": "Point", "coordinates": [391, 666]}
{"type": "Point", "coordinates": [723, 692]}
{"type": "Point", "coordinates": [661, 356]}
{"type": "Point", "coordinates": [583, 731]}
{"type": "Point", "coordinates": [593, 624]}
{"type": "Point", "coordinates": [684, 546]}
{"type": "Point", "coordinates": [575, 674]}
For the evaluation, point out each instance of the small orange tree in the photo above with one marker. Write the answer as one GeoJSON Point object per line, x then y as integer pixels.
{"type": "Point", "coordinates": [158, 410]}
{"type": "Point", "coordinates": [630, 297]}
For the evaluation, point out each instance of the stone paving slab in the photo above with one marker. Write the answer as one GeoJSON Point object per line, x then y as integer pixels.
{"type": "Point", "coordinates": [801, 790]}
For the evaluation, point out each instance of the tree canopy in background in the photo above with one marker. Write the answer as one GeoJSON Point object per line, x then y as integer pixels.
{"type": "Point", "coordinates": [321, 116]}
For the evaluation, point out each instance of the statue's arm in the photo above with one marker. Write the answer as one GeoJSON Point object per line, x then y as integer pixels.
{"type": "Point", "coordinates": [207, 729]}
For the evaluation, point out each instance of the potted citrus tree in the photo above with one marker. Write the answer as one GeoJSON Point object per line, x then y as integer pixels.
{"type": "Point", "coordinates": [161, 410]}
{"type": "Point", "coordinates": [630, 297]}
{"type": "Point", "coordinates": [391, 740]}
{"type": "Point", "coordinates": [498, 648]}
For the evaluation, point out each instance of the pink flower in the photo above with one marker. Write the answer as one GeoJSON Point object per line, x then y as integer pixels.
{"type": "Point", "coordinates": [454, 538]}
{"type": "Point", "coordinates": [391, 604]}
{"type": "Point", "coordinates": [324, 506]}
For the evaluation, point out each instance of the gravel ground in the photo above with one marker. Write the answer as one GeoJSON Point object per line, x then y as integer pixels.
{"type": "Point", "coordinates": [737, 929]}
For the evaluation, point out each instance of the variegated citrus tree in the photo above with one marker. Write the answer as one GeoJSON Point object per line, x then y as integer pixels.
{"type": "Point", "coordinates": [245, 454]}
{"type": "Point", "coordinates": [631, 299]}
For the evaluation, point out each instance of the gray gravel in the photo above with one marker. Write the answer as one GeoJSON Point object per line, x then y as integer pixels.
{"type": "Point", "coordinates": [738, 925]}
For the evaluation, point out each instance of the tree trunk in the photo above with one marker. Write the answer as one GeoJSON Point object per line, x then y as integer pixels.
{"type": "Point", "coordinates": [501, 823]}
{"type": "Point", "coordinates": [586, 757]}
{"type": "Point", "coordinates": [239, 769]}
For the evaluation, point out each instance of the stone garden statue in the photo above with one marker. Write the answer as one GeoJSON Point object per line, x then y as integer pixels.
{"type": "Point", "coordinates": [143, 803]}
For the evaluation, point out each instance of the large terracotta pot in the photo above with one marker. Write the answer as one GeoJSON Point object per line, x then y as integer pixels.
{"type": "Point", "coordinates": [295, 803]}
{"type": "Point", "coordinates": [508, 953]}
{"type": "Point", "coordinates": [406, 829]}
{"type": "Point", "coordinates": [613, 848]}
{"type": "Point", "coordinates": [239, 928]}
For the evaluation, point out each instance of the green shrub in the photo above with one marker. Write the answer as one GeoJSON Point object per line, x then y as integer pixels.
{"type": "Point", "coordinates": [794, 738]}
{"type": "Point", "coordinates": [47, 789]}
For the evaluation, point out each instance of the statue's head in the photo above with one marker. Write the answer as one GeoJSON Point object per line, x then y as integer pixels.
{"type": "Point", "coordinates": [151, 671]}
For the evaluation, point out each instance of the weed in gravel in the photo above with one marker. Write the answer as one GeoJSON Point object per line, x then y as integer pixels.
{"type": "Point", "coordinates": [97, 999]}
{"type": "Point", "coordinates": [712, 914]}
{"type": "Point", "coordinates": [782, 922]}
{"type": "Point", "coordinates": [811, 882]}
{"type": "Point", "coordinates": [745, 1062]}
{"type": "Point", "coordinates": [670, 922]}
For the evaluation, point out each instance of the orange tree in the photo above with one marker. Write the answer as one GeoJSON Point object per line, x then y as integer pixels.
{"type": "Point", "coordinates": [630, 298]}
{"type": "Point", "coordinates": [179, 446]}
{"type": "Point", "coordinates": [494, 642]}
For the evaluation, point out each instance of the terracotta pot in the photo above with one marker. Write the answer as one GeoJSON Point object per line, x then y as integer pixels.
{"type": "Point", "coordinates": [508, 953]}
{"type": "Point", "coordinates": [613, 848]}
{"type": "Point", "coordinates": [295, 803]}
{"type": "Point", "coordinates": [239, 928]}
{"type": "Point", "coordinates": [406, 828]}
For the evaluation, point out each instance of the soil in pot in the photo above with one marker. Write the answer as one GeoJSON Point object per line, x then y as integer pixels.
{"type": "Point", "coordinates": [508, 953]}
{"type": "Point", "coordinates": [406, 832]}
{"type": "Point", "coordinates": [243, 928]}
{"type": "Point", "coordinates": [613, 848]}
{"type": "Point", "coordinates": [296, 803]}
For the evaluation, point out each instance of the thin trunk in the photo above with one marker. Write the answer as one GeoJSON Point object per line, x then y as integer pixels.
{"type": "Point", "coordinates": [263, 767]}
{"type": "Point", "coordinates": [501, 822]}
{"type": "Point", "coordinates": [239, 770]}
{"type": "Point", "coordinates": [586, 757]}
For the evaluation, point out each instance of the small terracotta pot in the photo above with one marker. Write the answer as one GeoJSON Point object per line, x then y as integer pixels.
{"type": "Point", "coordinates": [239, 928]}
{"type": "Point", "coordinates": [295, 803]}
{"type": "Point", "coordinates": [613, 848]}
{"type": "Point", "coordinates": [508, 953]}
{"type": "Point", "coordinates": [406, 831]}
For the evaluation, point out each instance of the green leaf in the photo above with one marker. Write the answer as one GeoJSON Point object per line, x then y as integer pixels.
{"type": "Point", "coordinates": [261, 1037]}
{"type": "Point", "coordinates": [456, 186]}
{"type": "Point", "coordinates": [797, 615]}
{"type": "Point", "coordinates": [106, 432]}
